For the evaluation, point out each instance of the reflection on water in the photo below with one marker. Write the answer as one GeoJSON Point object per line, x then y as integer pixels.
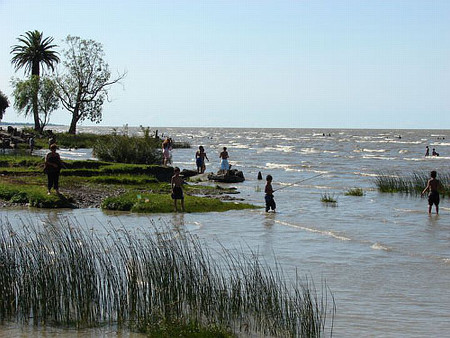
{"type": "Point", "coordinates": [15, 330]}
{"type": "Point", "coordinates": [386, 261]}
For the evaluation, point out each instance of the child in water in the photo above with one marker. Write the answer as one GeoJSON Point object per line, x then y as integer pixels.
{"type": "Point", "coordinates": [177, 190]}
{"type": "Point", "coordinates": [270, 202]}
{"type": "Point", "coordinates": [433, 186]}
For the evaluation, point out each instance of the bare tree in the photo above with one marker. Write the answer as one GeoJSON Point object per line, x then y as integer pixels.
{"type": "Point", "coordinates": [84, 82]}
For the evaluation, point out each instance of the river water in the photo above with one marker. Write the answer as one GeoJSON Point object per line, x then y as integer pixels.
{"type": "Point", "coordinates": [385, 259]}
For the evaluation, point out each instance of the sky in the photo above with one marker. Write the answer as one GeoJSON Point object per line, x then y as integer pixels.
{"type": "Point", "coordinates": [245, 63]}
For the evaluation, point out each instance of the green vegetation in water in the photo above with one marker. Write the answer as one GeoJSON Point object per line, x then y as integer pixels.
{"type": "Point", "coordinates": [354, 192]}
{"type": "Point", "coordinates": [327, 198]}
{"type": "Point", "coordinates": [158, 281]}
{"type": "Point", "coordinates": [163, 203]}
{"type": "Point", "coordinates": [413, 183]}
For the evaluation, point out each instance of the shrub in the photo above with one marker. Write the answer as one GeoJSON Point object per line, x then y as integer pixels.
{"type": "Point", "coordinates": [354, 192]}
{"type": "Point", "coordinates": [126, 149]}
{"type": "Point", "coordinates": [327, 198]}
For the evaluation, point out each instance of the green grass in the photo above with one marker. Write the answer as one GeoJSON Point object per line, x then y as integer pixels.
{"type": "Point", "coordinates": [123, 180]}
{"type": "Point", "coordinates": [24, 183]}
{"type": "Point", "coordinates": [354, 192]}
{"type": "Point", "coordinates": [35, 196]}
{"type": "Point", "coordinates": [158, 281]}
{"type": "Point", "coordinates": [163, 203]}
{"type": "Point", "coordinates": [412, 183]}
{"type": "Point", "coordinates": [327, 198]}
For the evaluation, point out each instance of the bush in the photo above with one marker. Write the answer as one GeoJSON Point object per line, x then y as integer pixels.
{"type": "Point", "coordinates": [327, 198]}
{"type": "Point", "coordinates": [126, 149]}
{"type": "Point", "coordinates": [354, 192]}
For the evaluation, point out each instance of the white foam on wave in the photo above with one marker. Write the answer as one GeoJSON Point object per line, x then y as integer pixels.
{"type": "Point", "coordinates": [440, 144]}
{"type": "Point", "coordinates": [317, 231]}
{"type": "Point", "coordinates": [366, 174]}
{"type": "Point", "coordinates": [414, 211]}
{"type": "Point", "coordinates": [309, 151]}
{"type": "Point", "coordinates": [285, 149]}
{"type": "Point", "coordinates": [403, 151]}
{"type": "Point", "coordinates": [415, 159]}
{"type": "Point", "coordinates": [278, 166]}
{"type": "Point", "coordinates": [239, 146]}
{"type": "Point", "coordinates": [374, 150]}
{"type": "Point", "coordinates": [378, 246]}
{"type": "Point", "coordinates": [374, 157]}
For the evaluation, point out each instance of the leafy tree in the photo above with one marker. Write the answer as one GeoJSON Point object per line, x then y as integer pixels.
{"type": "Point", "coordinates": [41, 87]}
{"type": "Point", "coordinates": [4, 103]}
{"type": "Point", "coordinates": [84, 84]}
{"type": "Point", "coordinates": [32, 54]}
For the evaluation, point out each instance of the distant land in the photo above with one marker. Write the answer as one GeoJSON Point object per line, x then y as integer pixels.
{"type": "Point", "coordinates": [26, 124]}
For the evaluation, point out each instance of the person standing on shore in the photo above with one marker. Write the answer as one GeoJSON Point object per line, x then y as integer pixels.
{"type": "Point", "coordinates": [166, 148]}
{"type": "Point", "coordinates": [433, 186]}
{"type": "Point", "coordinates": [31, 144]}
{"type": "Point", "coordinates": [200, 156]}
{"type": "Point", "coordinates": [52, 168]}
{"type": "Point", "coordinates": [177, 190]}
{"type": "Point", "coordinates": [224, 165]}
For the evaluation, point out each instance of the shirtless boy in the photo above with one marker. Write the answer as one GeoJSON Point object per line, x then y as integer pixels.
{"type": "Point", "coordinates": [224, 165]}
{"type": "Point", "coordinates": [433, 186]}
{"type": "Point", "coordinates": [200, 156]}
{"type": "Point", "coordinates": [177, 189]}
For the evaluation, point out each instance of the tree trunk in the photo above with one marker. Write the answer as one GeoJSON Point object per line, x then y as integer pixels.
{"type": "Point", "coordinates": [35, 72]}
{"type": "Point", "coordinates": [37, 124]}
{"type": "Point", "coordinates": [73, 123]}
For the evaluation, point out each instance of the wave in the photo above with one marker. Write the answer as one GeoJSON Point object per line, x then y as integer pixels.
{"type": "Point", "coordinates": [378, 246]}
{"type": "Point", "coordinates": [270, 165]}
{"type": "Point", "coordinates": [366, 174]}
{"type": "Point", "coordinates": [440, 144]}
{"type": "Point", "coordinates": [322, 232]}
{"type": "Point", "coordinates": [374, 157]}
{"type": "Point", "coordinates": [309, 151]}
{"type": "Point", "coordinates": [374, 150]}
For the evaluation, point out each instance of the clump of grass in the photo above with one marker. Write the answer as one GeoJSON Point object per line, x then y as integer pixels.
{"type": "Point", "coordinates": [328, 198]}
{"type": "Point", "coordinates": [161, 282]}
{"type": "Point", "coordinates": [412, 183]}
{"type": "Point", "coordinates": [354, 192]}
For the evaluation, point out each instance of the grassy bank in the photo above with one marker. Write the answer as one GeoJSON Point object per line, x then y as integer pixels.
{"type": "Point", "coordinates": [412, 183]}
{"type": "Point", "coordinates": [160, 282]}
{"type": "Point", "coordinates": [114, 186]}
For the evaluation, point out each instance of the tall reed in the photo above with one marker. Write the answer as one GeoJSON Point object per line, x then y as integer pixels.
{"type": "Point", "coordinates": [61, 274]}
{"type": "Point", "coordinates": [412, 183]}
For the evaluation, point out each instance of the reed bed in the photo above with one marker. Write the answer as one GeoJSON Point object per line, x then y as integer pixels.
{"type": "Point", "coordinates": [412, 183]}
{"type": "Point", "coordinates": [59, 274]}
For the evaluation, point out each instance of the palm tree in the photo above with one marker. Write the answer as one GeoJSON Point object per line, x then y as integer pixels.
{"type": "Point", "coordinates": [33, 53]}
